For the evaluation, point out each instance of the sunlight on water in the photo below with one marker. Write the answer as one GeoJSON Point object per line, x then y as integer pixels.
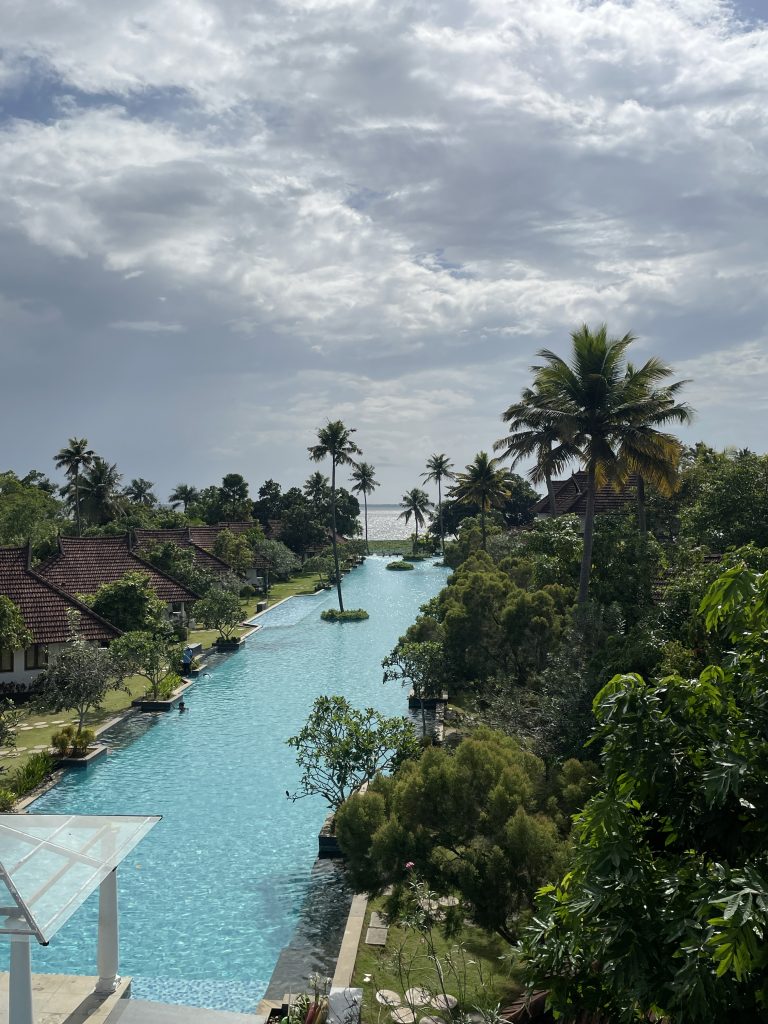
{"type": "Point", "coordinates": [210, 898]}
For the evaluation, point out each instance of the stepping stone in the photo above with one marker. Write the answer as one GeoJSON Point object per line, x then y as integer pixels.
{"type": "Point", "coordinates": [418, 996]}
{"type": "Point", "coordinates": [377, 920]}
{"type": "Point", "coordinates": [40, 725]}
{"type": "Point", "coordinates": [26, 728]}
{"type": "Point", "coordinates": [402, 1015]}
{"type": "Point", "coordinates": [376, 937]}
{"type": "Point", "coordinates": [40, 746]}
{"type": "Point", "coordinates": [387, 997]}
{"type": "Point", "coordinates": [431, 1020]}
{"type": "Point", "coordinates": [444, 1002]}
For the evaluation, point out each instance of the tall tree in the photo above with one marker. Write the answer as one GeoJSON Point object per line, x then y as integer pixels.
{"type": "Point", "coordinates": [599, 402]}
{"type": "Point", "coordinates": [534, 434]}
{"type": "Point", "coordinates": [234, 503]}
{"type": "Point", "coordinates": [439, 468]}
{"type": "Point", "coordinates": [99, 491]}
{"type": "Point", "coordinates": [335, 442]}
{"type": "Point", "coordinates": [140, 491]}
{"type": "Point", "coordinates": [365, 483]}
{"type": "Point", "coordinates": [649, 453]}
{"type": "Point", "coordinates": [416, 504]}
{"type": "Point", "coordinates": [484, 485]}
{"type": "Point", "coordinates": [317, 488]}
{"type": "Point", "coordinates": [76, 457]}
{"type": "Point", "coordinates": [183, 495]}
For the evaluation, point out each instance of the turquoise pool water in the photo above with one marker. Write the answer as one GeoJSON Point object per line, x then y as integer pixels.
{"type": "Point", "coordinates": [210, 898]}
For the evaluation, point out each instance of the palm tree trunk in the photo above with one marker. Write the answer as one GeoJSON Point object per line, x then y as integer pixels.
{"type": "Point", "coordinates": [641, 517]}
{"type": "Point", "coordinates": [440, 507]}
{"type": "Point", "coordinates": [365, 503]}
{"type": "Point", "coordinates": [77, 501]}
{"type": "Point", "coordinates": [482, 522]}
{"type": "Point", "coordinates": [416, 534]}
{"type": "Point", "coordinates": [589, 535]}
{"type": "Point", "coordinates": [551, 493]}
{"type": "Point", "coordinates": [333, 534]}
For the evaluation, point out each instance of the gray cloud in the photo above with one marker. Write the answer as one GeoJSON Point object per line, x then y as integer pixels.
{"type": "Point", "coordinates": [242, 220]}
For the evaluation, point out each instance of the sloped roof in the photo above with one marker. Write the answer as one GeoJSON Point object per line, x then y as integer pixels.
{"type": "Point", "coordinates": [83, 564]}
{"type": "Point", "coordinates": [571, 496]}
{"type": "Point", "coordinates": [205, 559]}
{"type": "Point", "coordinates": [44, 607]}
{"type": "Point", "coordinates": [205, 537]}
{"type": "Point", "coordinates": [51, 863]}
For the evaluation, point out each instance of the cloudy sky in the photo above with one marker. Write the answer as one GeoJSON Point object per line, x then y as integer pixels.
{"type": "Point", "coordinates": [223, 221]}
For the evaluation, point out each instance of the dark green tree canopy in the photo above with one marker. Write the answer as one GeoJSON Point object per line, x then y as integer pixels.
{"type": "Point", "coordinates": [129, 603]}
{"type": "Point", "coordinates": [664, 908]}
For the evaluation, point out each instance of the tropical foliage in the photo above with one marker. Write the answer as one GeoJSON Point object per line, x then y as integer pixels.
{"type": "Point", "coordinates": [334, 442]}
{"type": "Point", "coordinates": [415, 504]}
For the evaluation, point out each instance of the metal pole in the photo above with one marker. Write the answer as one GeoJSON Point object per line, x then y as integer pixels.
{"type": "Point", "coordinates": [20, 982]}
{"type": "Point", "coordinates": [109, 938]}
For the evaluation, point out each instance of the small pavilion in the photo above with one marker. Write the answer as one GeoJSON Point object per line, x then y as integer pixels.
{"type": "Point", "coordinates": [49, 865]}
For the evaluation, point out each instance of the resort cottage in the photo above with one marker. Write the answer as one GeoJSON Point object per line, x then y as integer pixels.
{"type": "Point", "coordinates": [201, 539]}
{"type": "Point", "coordinates": [83, 564]}
{"type": "Point", "coordinates": [45, 609]}
{"type": "Point", "coordinates": [571, 497]}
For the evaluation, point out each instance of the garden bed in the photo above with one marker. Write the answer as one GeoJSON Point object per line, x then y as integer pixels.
{"type": "Point", "coordinates": [82, 763]}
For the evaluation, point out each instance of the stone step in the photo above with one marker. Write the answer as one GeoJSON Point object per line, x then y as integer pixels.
{"type": "Point", "coordinates": [142, 1011]}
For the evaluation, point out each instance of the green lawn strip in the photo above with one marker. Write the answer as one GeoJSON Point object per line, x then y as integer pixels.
{"type": "Point", "coordinates": [390, 547]}
{"type": "Point", "coordinates": [483, 969]}
{"type": "Point", "coordinates": [26, 739]}
{"type": "Point", "coordinates": [277, 592]}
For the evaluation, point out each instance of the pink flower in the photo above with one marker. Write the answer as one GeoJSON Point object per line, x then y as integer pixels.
{"type": "Point", "coordinates": [410, 865]}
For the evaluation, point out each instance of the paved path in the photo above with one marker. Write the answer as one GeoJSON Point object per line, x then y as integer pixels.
{"type": "Point", "coordinates": [141, 1011]}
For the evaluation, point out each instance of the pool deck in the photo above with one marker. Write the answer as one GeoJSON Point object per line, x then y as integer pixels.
{"type": "Point", "coordinates": [66, 999]}
{"type": "Point", "coordinates": [70, 999]}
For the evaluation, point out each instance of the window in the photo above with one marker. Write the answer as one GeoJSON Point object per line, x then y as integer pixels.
{"type": "Point", "coordinates": [6, 661]}
{"type": "Point", "coordinates": [36, 656]}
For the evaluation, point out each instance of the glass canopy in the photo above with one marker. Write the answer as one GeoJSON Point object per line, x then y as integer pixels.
{"type": "Point", "coordinates": [51, 863]}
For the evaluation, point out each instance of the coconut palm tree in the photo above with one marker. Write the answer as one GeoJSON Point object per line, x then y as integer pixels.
{"type": "Point", "coordinates": [317, 488]}
{"type": "Point", "coordinates": [99, 492]}
{"type": "Point", "coordinates": [76, 457]}
{"type": "Point", "coordinates": [364, 483]}
{"type": "Point", "coordinates": [609, 410]}
{"type": "Point", "coordinates": [482, 484]}
{"type": "Point", "coordinates": [439, 468]}
{"type": "Point", "coordinates": [140, 491]}
{"type": "Point", "coordinates": [335, 442]}
{"type": "Point", "coordinates": [650, 454]}
{"type": "Point", "coordinates": [183, 495]}
{"type": "Point", "coordinates": [415, 503]}
{"type": "Point", "coordinates": [533, 434]}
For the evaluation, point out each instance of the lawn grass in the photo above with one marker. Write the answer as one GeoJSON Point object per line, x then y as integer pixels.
{"type": "Point", "coordinates": [277, 592]}
{"type": "Point", "coordinates": [475, 965]}
{"type": "Point", "coordinates": [40, 735]}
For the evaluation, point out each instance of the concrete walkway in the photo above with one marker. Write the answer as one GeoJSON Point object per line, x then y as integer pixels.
{"type": "Point", "coordinates": [66, 999]}
{"type": "Point", "coordinates": [141, 1011]}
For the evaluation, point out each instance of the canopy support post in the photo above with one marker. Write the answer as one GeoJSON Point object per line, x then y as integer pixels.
{"type": "Point", "coordinates": [20, 982]}
{"type": "Point", "coordinates": [108, 949]}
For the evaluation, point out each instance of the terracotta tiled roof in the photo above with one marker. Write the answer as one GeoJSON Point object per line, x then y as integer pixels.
{"type": "Point", "coordinates": [205, 537]}
{"type": "Point", "coordinates": [571, 496]}
{"type": "Point", "coordinates": [83, 564]}
{"type": "Point", "coordinates": [43, 605]}
{"type": "Point", "coordinates": [205, 559]}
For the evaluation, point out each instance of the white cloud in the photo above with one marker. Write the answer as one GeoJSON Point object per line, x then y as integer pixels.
{"type": "Point", "coordinates": [147, 326]}
{"type": "Point", "coordinates": [357, 186]}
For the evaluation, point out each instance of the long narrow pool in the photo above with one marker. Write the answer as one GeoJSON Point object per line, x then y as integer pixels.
{"type": "Point", "coordinates": [213, 894]}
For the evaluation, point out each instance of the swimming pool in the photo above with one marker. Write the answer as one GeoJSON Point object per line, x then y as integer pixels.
{"type": "Point", "coordinates": [213, 894]}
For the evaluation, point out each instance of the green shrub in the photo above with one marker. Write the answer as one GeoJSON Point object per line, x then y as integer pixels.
{"type": "Point", "coordinates": [247, 591]}
{"type": "Point", "coordinates": [7, 800]}
{"type": "Point", "coordinates": [352, 615]}
{"type": "Point", "coordinates": [165, 687]}
{"type": "Point", "coordinates": [414, 558]}
{"type": "Point", "coordinates": [32, 773]}
{"type": "Point", "coordinates": [82, 741]}
{"type": "Point", "coordinates": [180, 631]}
{"type": "Point", "coordinates": [62, 741]}
{"type": "Point", "coordinates": [399, 566]}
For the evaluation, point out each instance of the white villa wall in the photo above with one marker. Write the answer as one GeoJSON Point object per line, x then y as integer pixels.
{"type": "Point", "coordinates": [21, 675]}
